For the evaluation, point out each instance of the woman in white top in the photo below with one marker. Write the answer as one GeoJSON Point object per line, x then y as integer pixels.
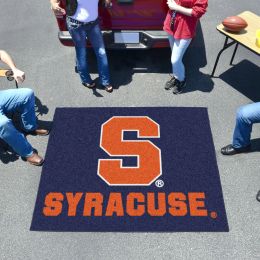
{"type": "Point", "coordinates": [82, 22]}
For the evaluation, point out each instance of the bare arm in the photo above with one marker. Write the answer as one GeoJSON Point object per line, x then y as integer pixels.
{"type": "Point", "coordinates": [18, 75]}
{"type": "Point", "coordinates": [198, 9]}
{"type": "Point", "coordinates": [55, 6]}
{"type": "Point", "coordinates": [5, 58]}
{"type": "Point", "coordinates": [180, 9]}
{"type": "Point", "coordinates": [108, 2]}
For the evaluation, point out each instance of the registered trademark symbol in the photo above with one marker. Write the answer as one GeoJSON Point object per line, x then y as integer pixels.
{"type": "Point", "coordinates": [213, 214]}
{"type": "Point", "coordinates": [159, 183]}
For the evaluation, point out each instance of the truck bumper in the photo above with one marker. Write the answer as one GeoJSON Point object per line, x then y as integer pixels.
{"type": "Point", "coordinates": [146, 39]}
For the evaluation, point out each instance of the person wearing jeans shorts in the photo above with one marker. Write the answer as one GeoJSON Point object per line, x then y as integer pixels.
{"type": "Point", "coordinates": [83, 24]}
{"type": "Point", "coordinates": [180, 24]}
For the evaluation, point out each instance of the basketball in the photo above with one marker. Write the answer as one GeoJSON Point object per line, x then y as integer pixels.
{"type": "Point", "coordinates": [234, 23]}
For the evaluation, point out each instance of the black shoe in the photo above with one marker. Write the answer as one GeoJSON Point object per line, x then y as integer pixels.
{"type": "Point", "coordinates": [91, 85]}
{"type": "Point", "coordinates": [230, 150]}
{"type": "Point", "coordinates": [178, 86]}
{"type": "Point", "coordinates": [170, 83]}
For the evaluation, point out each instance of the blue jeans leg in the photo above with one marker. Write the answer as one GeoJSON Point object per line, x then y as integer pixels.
{"type": "Point", "coordinates": [179, 47]}
{"type": "Point", "coordinates": [78, 34]}
{"type": "Point", "coordinates": [246, 116]}
{"type": "Point", "coordinates": [97, 42]}
{"type": "Point", "coordinates": [21, 101]}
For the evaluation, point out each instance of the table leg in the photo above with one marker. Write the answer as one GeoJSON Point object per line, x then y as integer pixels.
{"type": "Point", "coordinates": [258, 196]}
{"type": "Point", "coordinates": [226, 45]}
{"type": "Point", "coordinates": [234, 53]}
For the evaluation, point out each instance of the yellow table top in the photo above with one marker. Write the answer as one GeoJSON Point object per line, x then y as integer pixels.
{"type": "Point", "coordinates": [2, 72]}
{"type": "Point", "coordinates": [246, 37]}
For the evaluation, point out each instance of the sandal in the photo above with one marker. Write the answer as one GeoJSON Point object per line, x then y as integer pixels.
{"type": "Point", "coordinates": [108, 88]}
{"type": "Point", "coordinates": [89, 85]}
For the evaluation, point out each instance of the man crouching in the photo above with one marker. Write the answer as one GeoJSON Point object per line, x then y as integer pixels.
{"type": "Point", "coordinates": [22, 102]}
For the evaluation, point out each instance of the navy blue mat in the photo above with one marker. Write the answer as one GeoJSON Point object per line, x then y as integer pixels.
{"type": "Point", "coordinates": [173, 184]}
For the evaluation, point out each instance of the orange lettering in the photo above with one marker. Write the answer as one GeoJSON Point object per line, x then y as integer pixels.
{"type": "Point", "coordinates": [152, 210]}
{"type": "Point", "coordinates": [197, 204]}
{"type": "Point", "coordinates": [73, 202]}
{"type": "Point", "coordinates": [53, 204]}
{"type": "Point", "coordinates": [93, 201]}
{"type": "Point", "coordinates": [148, 155]}
{"type": "Point", "coordinates": [131, 210]}
{"type": "Point", "coordinates": [178, 205]}
{"type": "Point", "coordinates": [115, 205]}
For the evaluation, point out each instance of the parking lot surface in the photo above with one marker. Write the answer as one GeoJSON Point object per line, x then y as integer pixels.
{"type": "Point", "coordinates": [28, 31]}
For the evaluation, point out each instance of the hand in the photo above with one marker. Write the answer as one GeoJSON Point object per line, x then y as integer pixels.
{"type": "Point", "coordinates": [18, 75]}
{"type": "Point", "coordinates": [108, 3]}
{"type": "Point", "coordinates": [172, 5]}
{"type": "Point", "coordinates": [57, 9]}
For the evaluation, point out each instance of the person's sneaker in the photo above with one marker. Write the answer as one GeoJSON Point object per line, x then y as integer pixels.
{"type": "Point", "coordinates": [178, 86]}
{"type": "Point", "coordinates": [170, 83]}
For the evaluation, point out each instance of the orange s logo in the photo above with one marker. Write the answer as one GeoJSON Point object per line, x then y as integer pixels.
{"type": "Point", "coordinates": [148, 155]}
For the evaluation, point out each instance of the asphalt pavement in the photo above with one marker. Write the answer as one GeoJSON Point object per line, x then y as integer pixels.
{"type": "Point", "coordinates": [28, 31]}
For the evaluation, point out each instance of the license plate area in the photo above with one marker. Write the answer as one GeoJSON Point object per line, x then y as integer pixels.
{"type": "Point", "coordinates": [126, 37]}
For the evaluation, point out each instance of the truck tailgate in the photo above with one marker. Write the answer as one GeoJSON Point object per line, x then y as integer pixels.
{"type": "Point", "coordinates": [133, 14]}
{"type": "Point", "coordinates": [127, 24]}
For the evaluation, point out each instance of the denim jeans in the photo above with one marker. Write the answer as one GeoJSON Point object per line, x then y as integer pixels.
{"type": "Point", "coordinates": [17, 101]}
{"type": "Point", "coordinates": [80, 33]}
{"type": "Point", "coordinates": [246, 116]}
{"type": "Point", "coordinates": [179, 47]}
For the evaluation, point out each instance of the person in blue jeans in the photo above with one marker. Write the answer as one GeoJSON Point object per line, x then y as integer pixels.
{"type": "Point", "coordinates": [19, 101]}
{"type": "Point", "coordinates": [83, 23]}
{"type": "Point", "coordinates": [246, 116]}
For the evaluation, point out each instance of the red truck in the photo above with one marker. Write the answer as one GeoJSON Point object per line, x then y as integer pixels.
{"type": "Point", "coordinates": [128, 24]}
